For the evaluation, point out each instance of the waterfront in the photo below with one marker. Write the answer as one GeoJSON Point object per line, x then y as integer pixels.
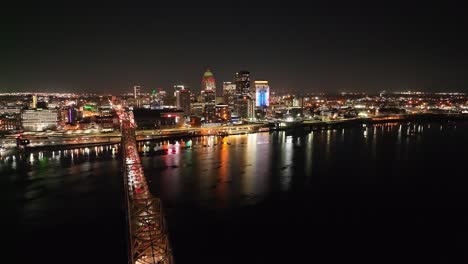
{"type": "Point", "coordinates": [369, 194]}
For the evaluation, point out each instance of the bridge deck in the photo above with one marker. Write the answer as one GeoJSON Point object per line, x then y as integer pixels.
{"type": "Point", "coordinates": [148, 238]}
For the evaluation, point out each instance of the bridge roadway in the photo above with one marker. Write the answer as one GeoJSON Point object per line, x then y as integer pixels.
{"type": "Point", "coordinates": [147, 231]}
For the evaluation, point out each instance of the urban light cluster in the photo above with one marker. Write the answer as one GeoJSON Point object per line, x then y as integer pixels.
{"type": "Point", "coordinates": [238, 101]}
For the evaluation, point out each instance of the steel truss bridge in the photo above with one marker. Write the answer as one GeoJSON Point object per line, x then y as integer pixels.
{"type": "Point", "coordinates": [147, 231]}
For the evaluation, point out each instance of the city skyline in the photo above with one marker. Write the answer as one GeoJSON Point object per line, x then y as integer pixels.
{"type": "Point", "coordinates": [331, 132]}
{"type": "Point", "coordinates": [325, 49]}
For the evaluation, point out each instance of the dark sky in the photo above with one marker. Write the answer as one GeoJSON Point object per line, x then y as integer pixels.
{"type": "Point", "coordinates": [360, 47]}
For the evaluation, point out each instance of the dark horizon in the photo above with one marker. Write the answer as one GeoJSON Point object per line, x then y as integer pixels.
{"type": "Point", "coordinates": [361, 48]}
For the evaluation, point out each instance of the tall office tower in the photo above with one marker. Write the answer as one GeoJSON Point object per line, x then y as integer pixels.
{"type": "Point", "coordinates": [229, 93]}
{"type": "Point", "coordinates": [136, 95]}
{"type": "Point", "coordinates": [72, 114]}
{"type": "Point", "coordinates": [34, 101]}
{"type": "Point", "coordinates": [222, 113]}
{"type": "Point", "coordinates": [243, 83]}
{"type": "Point", "coordinates": [244, 107]}
{"type": "Point", "coordinates": [208, 96]}
{"type": "Point", "coordinates": [210, 113]}
{"type": "Point", "coordinates": [262, 92]}
{"type": "Point", "coordinates": [178, 87]}
{"type": "Point", "coordinates": [183, 101]}
{"type": "Point", "coordinates": [208, 81]}
{"type": "Point", "coordinates": [136, 91]}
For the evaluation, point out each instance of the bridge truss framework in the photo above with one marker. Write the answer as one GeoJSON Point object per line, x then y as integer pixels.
{"type": "Point", "coordinates": [148, 236]}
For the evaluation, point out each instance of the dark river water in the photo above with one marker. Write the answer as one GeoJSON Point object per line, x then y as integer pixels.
{"type": "Point", "coordinates": [391, 193]}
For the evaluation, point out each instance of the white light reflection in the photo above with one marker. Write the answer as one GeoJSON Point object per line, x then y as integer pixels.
{"type": "Point", "coordinates": [286, 164]}
{"type": "Point", "coordinates": [250, 160]}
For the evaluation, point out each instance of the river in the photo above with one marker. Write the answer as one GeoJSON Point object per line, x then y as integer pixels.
{"type": "Point", "coordinates": [378, 194]}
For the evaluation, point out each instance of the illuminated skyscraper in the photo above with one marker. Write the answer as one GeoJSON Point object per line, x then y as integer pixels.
{"type": "Point", "coordinates": [243, 83]}
{"type": "Point", "coordinates": [136, 91]}
{"type": "Point", "coordinates": [244, 107]}
{"type": "Point", "coordinates": [208, 81]}
{"type": "Point", "coordinates": [136, 95]}
{"type": "Point", "coordinates": [71, 115]}
{"type": "Point", "coordinates": [208, 96]}
{"type": "Point", "coordinates": [183, 101]}
{"type": "Point", "coordinates": [262, 91]}
{"type": "Point", "coordinates": [210, 113]}
{"type": "Point", "coordinates": [178, 87]}
{"type": "Point", "coordinates": [34, 101]}
{"type": "Point", "coordinates": [229, 93]}
{"type": "Point", "coordinates": [222, 113]}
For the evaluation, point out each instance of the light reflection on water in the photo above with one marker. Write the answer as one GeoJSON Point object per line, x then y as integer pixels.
{"type": "Point", "coordinates": [48, 188]}
{"type": "Point", "coordinates": [243, 169]}
{"type": "Point", "coordinates": [76, 156]}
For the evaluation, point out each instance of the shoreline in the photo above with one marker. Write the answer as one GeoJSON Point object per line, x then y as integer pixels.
{"type": "Point", "coordinates": [299, 127]}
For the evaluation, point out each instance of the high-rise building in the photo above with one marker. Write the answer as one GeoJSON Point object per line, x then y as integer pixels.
{"type": "Point", "coordinates": [34, 101]}
{"type": "Point", "coordinates": [72, 114]}
{"type": "Point", "coordinates": [208, 81]}
{"type": "Point", "coordinates": [243, 83]}
{"type": "Point", "coordinates": [178, 87]}
{"type": "Point", "coordinates": [136, 91]}
{"type": "Point", "coordinates": [244, 107]}
{"type": "Point", "coordinates": [136, 95]}
{"type": "Point", "coordinates": [197, 109]}
{"type": "Point", "coordinates": [208, 96]}
{"type": "Point", "coordinates": [210, 113]}
{"type": "Point", "coordinates": [183, 101]}
{"type": "Point", "coordinates": [222, 113]}
{"type": "Point", "coordinates": [229, 93]}
{"type": "Point", "coordinates": [262, 91]}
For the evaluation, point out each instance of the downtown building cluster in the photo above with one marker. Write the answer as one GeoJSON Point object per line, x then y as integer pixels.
{"type": "Point", "coordinates": [237, 101]}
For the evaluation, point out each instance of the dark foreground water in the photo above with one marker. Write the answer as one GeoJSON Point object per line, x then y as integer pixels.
{"type": "Point", "coordinates": [379, 194]}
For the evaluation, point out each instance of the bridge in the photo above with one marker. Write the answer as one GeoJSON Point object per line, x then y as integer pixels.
{"type": "Point", "coordinates": [147, 231]}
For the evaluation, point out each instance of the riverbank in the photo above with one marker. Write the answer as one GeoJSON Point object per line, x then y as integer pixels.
{"type": "Point", "coordinates": [306, 126]}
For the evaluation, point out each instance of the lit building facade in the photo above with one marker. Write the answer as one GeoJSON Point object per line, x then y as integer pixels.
{"type": "Point", "coordinates": [244, 107]}
{"type": "Point", "coordinates": [34, 101]}
{"type": "Point", "coordinates": [9, 122]}
{"type": "Point", "coordinates": [243, 83]}
{"type": "Point", "coordinates": [197, 109]}
{"type": "Point", "coordinates": [229, 93]}
{"type": "Point", "coordinates": [136, 95]}
{"type": "Point", "coordinates": [208, 96]}
{"type": "Point", "coordinates": [39, 120]}
{"type": "Point", "coordinates": [136, 91]}
{"type": "Point", "coordinates": [209, 81]}
{"type": "Point", "coordinates": [183, 101]}
{"type": "Point", "coordinates": [222, 113]}
{"type": "Point", "coordinates": [177, 88]}
{"type": "Point", "coordinates": [262, 94]}
{"type": "Point", "coordinates": [105, 111]}
{"type": "Point", "coordinates": [210, 113]}
{"type": "Point", "coordinates": [72, 115]}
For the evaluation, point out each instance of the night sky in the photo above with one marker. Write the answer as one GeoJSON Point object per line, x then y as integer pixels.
{"type": "Point", "coordinates": [364, 47]}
